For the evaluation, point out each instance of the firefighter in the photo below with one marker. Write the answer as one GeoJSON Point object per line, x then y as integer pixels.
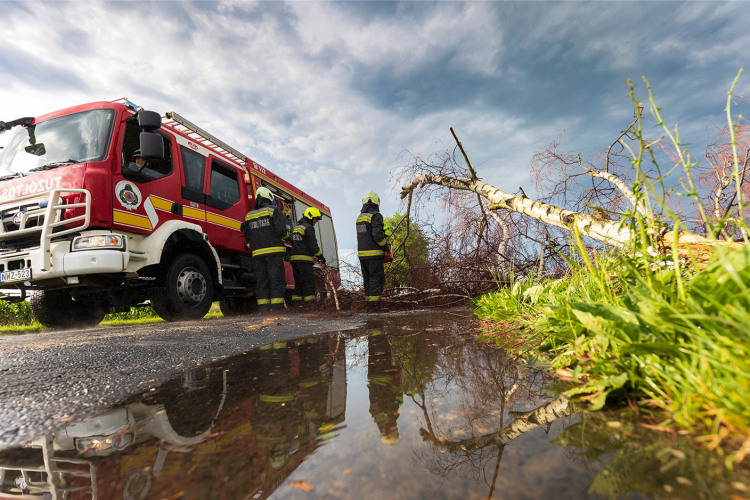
{"type": "Point", "coordinates": [138, 163]}
{"type": "Point", "coordinates": [384, 386]}
{"type": "Point", "coordinates": [265, 228]}
{"type": "Point", "coordinates": [304, 250]}
{"type": "Point", "coordinates": [371, 245]}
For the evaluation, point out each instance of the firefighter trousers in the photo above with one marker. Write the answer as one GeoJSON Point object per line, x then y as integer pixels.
{"type": "Point", "coordinates": [373, 273]}
{"type": "Point", "coordinates": [304, 282]}
{"type": "Point", "coordinates": [271, 281]}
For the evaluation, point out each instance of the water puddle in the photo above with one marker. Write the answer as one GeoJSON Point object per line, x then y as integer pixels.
{"type": "Point", "coordinates": [406, 408]}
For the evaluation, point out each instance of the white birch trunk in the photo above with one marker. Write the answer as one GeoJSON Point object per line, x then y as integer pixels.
{"type": "Point", "coordinates": [607, 231]}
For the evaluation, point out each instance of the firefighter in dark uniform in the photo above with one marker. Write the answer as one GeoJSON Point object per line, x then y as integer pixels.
{"type": "Point", "coordinates": [384, 386]}
{"type": "Point", "coordinates": [265, 228]}
{"type": "Point", "coordinates": [371, 246]}
{"type": "Point", "coordinates": [304, 250]}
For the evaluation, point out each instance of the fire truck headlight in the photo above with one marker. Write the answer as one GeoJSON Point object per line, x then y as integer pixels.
{"type": "Point", "coordinates": [105, 241]}
{"type": "Point", "coordinates": [98, 444]}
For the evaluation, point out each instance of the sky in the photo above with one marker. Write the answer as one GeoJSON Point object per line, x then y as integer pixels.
{"type": "Point", "coordinates": [330, 95]}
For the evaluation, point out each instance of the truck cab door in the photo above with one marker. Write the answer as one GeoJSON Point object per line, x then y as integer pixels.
{"type": "Point", "coordinates": [226, 206]}
{"type": "Point", "coordinates": [143, 193]}
{"type": "Point", "coordinates": [192, 195]}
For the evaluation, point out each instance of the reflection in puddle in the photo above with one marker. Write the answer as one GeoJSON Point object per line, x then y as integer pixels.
{"type": "Point", "coordinates": [405, 408]}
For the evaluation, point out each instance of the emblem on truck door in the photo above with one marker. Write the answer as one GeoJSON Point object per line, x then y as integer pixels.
{"type": "Point", "coordinates": [128, 195]}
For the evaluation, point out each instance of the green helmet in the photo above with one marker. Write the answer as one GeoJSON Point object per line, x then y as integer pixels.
{"type": "Point", "coordinates": [371, 196]}
{"type": "Point", "coordinates": [264, 192]}
{"type": "Point", "coordinates": [312, 213]}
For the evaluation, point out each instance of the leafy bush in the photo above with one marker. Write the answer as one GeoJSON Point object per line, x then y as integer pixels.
{"type": "Point", "coordinates": [15, 314]}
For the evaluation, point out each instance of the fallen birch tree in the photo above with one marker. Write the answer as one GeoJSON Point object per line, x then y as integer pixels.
{"type": "Point", "coordinates": [446, 173]}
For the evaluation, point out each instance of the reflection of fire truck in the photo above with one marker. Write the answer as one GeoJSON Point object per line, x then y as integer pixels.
{"type": "Point", "coordinates": [214, 433]}
{"type": "Point", "coordinates": [88, 229]}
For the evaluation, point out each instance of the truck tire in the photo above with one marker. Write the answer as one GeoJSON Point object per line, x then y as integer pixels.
{"type": "Point", "coordinates": [189, 290]}
{"type": "Point", "coordinates": [58, 309]}
{"type": "Point", "coordinates": [238, 306]}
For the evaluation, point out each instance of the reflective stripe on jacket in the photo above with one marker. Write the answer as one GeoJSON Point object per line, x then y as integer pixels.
{"type": "Point", "coordinates": [371, 240]}
{"type": "Point", "coordinates": [304, 242]}
{"type": "Point", "coordinates": [265, 228]}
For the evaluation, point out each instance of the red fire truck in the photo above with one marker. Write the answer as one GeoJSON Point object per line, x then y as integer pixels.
{"type": "Point", "coordinates": [85, 229]}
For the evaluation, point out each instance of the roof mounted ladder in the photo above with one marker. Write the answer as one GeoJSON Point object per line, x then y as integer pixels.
{"type": "Point", "coordinates": [204, 138]}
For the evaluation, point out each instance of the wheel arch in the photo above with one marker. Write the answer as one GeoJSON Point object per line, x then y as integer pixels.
{"type": "Point", "coordinates": [190, 241]}
{"type": "Point", "coordinates": [176, 237]}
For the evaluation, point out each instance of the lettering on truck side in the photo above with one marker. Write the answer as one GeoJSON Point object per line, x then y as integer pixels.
{"type": "Point", "coordinates": [30, 188]}
{"type": "Point", "coordinates": [257, 167]}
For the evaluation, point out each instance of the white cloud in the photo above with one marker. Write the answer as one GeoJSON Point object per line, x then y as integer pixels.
{"type": "Point", "coordinates": [293, 85]}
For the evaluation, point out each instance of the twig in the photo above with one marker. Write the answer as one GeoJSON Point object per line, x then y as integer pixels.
{"type": "Point", "coordinates": [468, 163]}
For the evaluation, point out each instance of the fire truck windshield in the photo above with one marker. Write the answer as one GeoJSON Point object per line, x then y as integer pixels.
{"type": "Point", "coordinates": [65, 140]}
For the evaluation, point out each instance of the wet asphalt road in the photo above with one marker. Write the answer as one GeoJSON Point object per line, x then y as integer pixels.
{"type": "Point", "coordinates": [48, 378]}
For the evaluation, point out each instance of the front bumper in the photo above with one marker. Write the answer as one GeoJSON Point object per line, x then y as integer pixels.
{"type": "Point", "coordinates": [63, 263]}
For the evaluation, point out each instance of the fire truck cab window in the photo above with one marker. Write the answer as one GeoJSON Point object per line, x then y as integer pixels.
{"type": "Point", "coordinates": [193, 166]}
{"type": "Point", "coordinates": [225, 187]}
{"type": "Point", "coordinates": [143, 171]}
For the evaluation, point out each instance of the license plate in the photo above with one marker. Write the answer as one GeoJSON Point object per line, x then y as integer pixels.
{"type": "Point", "coordinates": [18, 275]}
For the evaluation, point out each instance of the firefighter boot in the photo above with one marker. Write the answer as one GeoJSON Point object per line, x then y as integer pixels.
{"type": "Point", "coordinates": [277, 307]}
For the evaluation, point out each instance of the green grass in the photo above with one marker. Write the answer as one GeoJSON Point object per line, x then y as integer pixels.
{"type": "Point", "coordinates": [678, 341]}
{"type": "Point", "coordinates": [19, 329]}
{"type": "Point", "coordinates": [20, 321]}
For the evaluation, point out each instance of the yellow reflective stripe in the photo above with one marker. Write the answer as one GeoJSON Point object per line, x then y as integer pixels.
{"type": "Point", "coordinates": [161, 203]}
{"type": "Point", "coordinates": [131, 219]}
{"type": "Point", "coordinates": [277, 301]}
{"type": "Point", "coordinates": [364, 218]}
{"type": "Point", "coordinates": [308, 298]}
{"type": "Point", "coordinates": [263, 301]}
{"type": "Point", "coordinates": [192, 213]}
{"type": "Point", "coordinates": [381, 243]}
{"type": "Point", "coordinates": [306, 258]}
{"type": "Point", "coordinates": [372, 298]}
{"type": "Point", "coordinates": [264, 251]}
{"type": "Point", "coordinates": [277, 399]}
{"type": "Point", "coordinates": [222, 221]}
{"type": "Point", "coordinates": [262, 213]}
{"type": "Point", "coordinates": [296, 297]}
{"type": "Point", "coordinates": [370, 253]}
{"type": "Point", "coordinates": [299, 230]}
{"type": "Point", "coordinates": [319, 253]}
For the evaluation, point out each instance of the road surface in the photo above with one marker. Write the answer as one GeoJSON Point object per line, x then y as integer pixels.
{"type": "Point", "coordinates": [47, 378]}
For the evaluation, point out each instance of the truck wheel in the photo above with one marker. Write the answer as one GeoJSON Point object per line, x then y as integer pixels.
{"type": "Point", "coordinates": [237, 306]}
{"type": "Point", "coordinates": [58, 309]}
{"type": "Point", "coordinates": [189, 290]}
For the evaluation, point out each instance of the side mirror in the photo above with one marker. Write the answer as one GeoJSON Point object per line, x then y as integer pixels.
{"type": "Point", "coordinates": [152, 146]}
{"type": "Point", "coordinates": [149, 120]}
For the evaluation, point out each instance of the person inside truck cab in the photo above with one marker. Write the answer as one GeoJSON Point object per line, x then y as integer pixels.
{"type": "Point", "coordinates": [138, 162]}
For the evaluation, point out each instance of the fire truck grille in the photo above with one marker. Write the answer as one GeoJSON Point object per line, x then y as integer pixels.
{"type": "Point", "coordinates": [10, 225]}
